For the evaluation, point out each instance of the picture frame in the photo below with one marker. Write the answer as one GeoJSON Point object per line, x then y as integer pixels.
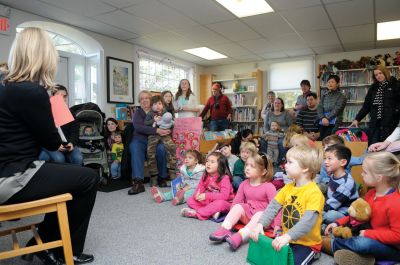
{"type": "Point", "coordinates": [120, 87]}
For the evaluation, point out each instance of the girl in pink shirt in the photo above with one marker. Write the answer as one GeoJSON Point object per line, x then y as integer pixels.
{"type": "Point", "coordinates": [253, 196]}
{"type": "Point", "coordinates": [214, 192]}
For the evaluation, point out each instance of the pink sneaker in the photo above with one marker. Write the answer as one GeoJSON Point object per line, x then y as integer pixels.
{"type": "Point", "coordinates": [157, 195]}
{"type": "Point", "coordinates": [234, 241]}
{"type": "Point", "coordinates": [179, 197]}
{"type": "Point", "coordinates": [188, 212]}
{"type": "Point", "coordinates": [220, 234]}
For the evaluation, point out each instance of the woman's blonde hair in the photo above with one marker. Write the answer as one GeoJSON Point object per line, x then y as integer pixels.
{"type": "Point", "coordinates": [293, 129]}
{"type": "Point", "coordinates": [144, 92]}
{"type": "Point", "coordinates": [307, 157]}
{"type": "Point", "coordinates": [263, 161]}
{"type": "Point", "coordinates": [299, 140]}
{"type": "Point", "coordinates": [387, 165]}
{"type": "Point", "coordinates": [384, 70]}
{"type": "Point", "coordinates": [33, 57]}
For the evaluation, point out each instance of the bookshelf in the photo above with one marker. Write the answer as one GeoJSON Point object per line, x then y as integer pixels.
{"type": "Point", "coordinates": [354, 84]}
{"type": "Point", "coordinates": [246, 95]}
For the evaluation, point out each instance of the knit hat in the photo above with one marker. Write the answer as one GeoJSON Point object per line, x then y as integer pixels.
{"type": "Point", "coordinates": [166, 121]}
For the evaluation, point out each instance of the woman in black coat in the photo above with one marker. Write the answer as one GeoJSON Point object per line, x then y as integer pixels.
{"type": "Point", "coordinates": [382, 102]}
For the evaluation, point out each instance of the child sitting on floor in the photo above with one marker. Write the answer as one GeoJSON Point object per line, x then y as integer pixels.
{"type": "Point", "coordinates": [302, 203]}
{"type": "Point", "coordinates": [382, 242]}
{"type": "Point", "coordinates": [247, 149]}
{"type": "Point", "coordinates": [214, 192]}
{"type": "Point", "coordinates": [342, 189]}
{"type": "Point", "coordinates": [253, 196]}
{"type": "Point", "coordinates": [226, 150]}
{"type": "Point", "coordinates": [191, 171]}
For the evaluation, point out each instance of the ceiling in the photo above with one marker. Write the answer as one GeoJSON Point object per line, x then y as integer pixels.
{"type": "Point", "coordinates": [296, 28]}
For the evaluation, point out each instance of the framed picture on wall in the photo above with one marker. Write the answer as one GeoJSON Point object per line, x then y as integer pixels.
{"type": "Point", "coordinates": [119, 81]}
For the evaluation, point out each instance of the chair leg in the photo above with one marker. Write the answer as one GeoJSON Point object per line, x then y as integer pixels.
{"type": "Point", "coordinates": [65, 234]}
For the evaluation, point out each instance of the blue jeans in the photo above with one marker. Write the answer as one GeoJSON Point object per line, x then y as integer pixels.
{"type": "Point", "coordinates": [219, 125]}
{"type": "Point", "coordinates": [365, 245]}
{"type": "Point", "coordinates": [331, 216]}
{"type": "Point", "coordinates": [282, 151]}
{"type": "Point", "coordinates": [236, 181]}
{"type": "Point", "coordinates": [115, 170]}
{"type": "Point", "coordinates": [74, 157]}
{"type": "Point", "coordinates": [138, 149]}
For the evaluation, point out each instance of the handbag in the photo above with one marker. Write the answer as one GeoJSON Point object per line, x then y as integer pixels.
{"type": "Point", "coordinates": [262, 253]}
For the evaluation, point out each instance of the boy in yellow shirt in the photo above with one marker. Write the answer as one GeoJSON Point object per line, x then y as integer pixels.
{"type": "Point", "coordinates": [116, 154]}
{"type": "Point", "coordinates": [302, 204]}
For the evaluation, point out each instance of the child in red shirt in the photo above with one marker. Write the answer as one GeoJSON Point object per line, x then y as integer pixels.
{"type": "Point", "coordinates": [382, 242]}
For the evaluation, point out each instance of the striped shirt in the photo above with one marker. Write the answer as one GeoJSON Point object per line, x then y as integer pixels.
{"type": "Point", "coordinates": [308, 120]}
{"type": "Point", "coordinates": [341, 193]}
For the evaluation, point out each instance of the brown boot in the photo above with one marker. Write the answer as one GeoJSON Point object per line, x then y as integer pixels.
{"type": "Point", "coordinates": [327, 245]}
{"type": "Point", "coordinates": [137, 187]}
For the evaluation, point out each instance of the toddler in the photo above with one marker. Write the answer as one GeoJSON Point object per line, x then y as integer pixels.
{"type": "Point", "coordinates": [246, 150]}
{"type": "Point", "coordinates": [116, 155]}
{"type": "Point", "coordinates": [214, 192]}
{"type": "Point", "coordinates": [88, 131]}
{"type": "Point", "coordinates": [271, 138]}
{"type": "Point", "coordinates": [381, 171]}
{"type": "Point", "coordinates": [302, 203]}
{"type": "Point", "coordinates": [155, 118]}
{"type": "Point", "coordinates": [253, 196]}
{"type": "Point", "coordinates": [191, 171]}
{"type": "Point", "coordinates": [342, 190]}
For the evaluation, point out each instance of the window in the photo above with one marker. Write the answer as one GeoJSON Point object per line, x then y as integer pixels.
{"type": "Point", "coordinates": [157, 74]}
{"type": "Point", "coordinates": [285, 78]}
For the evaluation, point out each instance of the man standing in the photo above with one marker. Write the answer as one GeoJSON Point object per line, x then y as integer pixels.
{"type": "Point", "coordinates": [308, 118]}
{"type": "Point", "coordinates": [220, 109]}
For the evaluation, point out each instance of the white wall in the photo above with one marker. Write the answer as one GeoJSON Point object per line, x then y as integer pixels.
{"type": "Point", "coordinates": [111, 47]}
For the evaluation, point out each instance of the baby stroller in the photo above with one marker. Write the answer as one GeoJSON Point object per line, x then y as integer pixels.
{"type": "Point", "coordinates": [92, 146]}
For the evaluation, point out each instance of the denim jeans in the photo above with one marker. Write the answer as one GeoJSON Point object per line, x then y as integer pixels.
{"type": "Point", "coordinates": [282, 151]}
{"type": "Point", "coordinates": [115, 170]}
{"type": "Point", "coordinates": [219, 125]}
{"type": "Point", "coordinates": [138, 149]}
{"type": "Point", "coordinates": [331, 216]}
{"type": "Point", "coordinates": [74, 157]}
{"type": "Point", "coordinates": [365, 245]}
{"type": "Point", "coordinates": [236, 181]}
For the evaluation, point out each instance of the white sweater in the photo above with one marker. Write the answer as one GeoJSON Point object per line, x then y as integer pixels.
{"type": "Point", "coordinates": [194, 179]}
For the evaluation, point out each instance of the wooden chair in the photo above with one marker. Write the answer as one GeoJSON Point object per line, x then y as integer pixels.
{"type": "Point", "coordinates": [47, 205]}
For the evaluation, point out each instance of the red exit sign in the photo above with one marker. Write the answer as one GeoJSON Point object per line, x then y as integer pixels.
{"type": "Point", "coordinates": [4, 26]}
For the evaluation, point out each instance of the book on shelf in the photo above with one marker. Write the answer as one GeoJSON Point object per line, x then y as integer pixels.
{"type": "Point", "coordinates": [244, 114]}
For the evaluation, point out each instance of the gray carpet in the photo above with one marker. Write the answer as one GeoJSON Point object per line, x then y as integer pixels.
{"type": "Point", "coordinates": [135, 230]}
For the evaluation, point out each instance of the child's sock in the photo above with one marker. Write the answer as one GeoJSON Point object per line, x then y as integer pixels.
{"type": "Point", "coordinates": [157, 195]}
{"type": "Point", "coordinates": [245, 233]}
{"type": "Point", "coordinates": [216, 215]}
{"type": "Point", "coordinates": [179, 197]}
{"type": "Point", "coordinates": [227, 224]}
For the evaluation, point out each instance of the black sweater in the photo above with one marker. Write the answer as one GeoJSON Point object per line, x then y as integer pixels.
{"type": "Point", "coordinates": [26, 125]}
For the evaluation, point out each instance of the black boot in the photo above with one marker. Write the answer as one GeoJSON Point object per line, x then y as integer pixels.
{"type": "Point", "coordinates": [162, 183]}
{"type": "Point", "coordinates": [137, 187]}
{"type": "Point", "coordinates": [153, 181]}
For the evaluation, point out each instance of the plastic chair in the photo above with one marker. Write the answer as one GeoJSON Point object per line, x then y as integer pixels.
{"type": "Point", "coordinates": [32, 208]}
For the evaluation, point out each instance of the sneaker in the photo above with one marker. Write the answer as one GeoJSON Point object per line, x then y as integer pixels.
{"type": "Point", "coordinates": [348, 257]}
{"type": "Point", "coordinates": [179, 197]}
{"type": "Point", "coordinates": [157, 195]}
{"type": "Point", "coordinates": [188, 212]}
{"type": "Point", "coordinates": [220, 234]}
{"type": "Point", "coordinates": [216, 215]}
{"type": "Point", "coordinates": [234, 241]}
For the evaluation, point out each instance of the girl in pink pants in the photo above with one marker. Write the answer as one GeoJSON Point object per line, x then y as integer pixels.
{"type": "Point", "coordinates": [214, 192]}
{"type": "Point", "coordinates": [253, 196]}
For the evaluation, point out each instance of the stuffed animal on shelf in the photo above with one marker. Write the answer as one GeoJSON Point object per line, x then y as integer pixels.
{"type": "Point", "coordinates": [389, 59]}
{"type": "Point", "coordinates": [358, 219]}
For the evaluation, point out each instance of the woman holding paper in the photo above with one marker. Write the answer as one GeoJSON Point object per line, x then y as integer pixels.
{"type": "Point", "coordinates": [330, 108]}
{"type": "Point", "coordinates": [382, 105]}
{"type": "Point", "coordinates": [27, 126]}
{"type": "Point", "coordinates": [186, 103]}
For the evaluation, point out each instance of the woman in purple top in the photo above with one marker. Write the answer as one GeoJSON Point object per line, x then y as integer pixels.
{"type": "Point", "coordinates": [138, 146]}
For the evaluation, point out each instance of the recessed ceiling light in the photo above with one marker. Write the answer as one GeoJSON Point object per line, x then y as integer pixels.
{"type": "Point", "coordinates": [388, 30]}
{"type": "Point", "coordinates": [206, 53]}
{"type": "Point", "coordinates": [246, 8]}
